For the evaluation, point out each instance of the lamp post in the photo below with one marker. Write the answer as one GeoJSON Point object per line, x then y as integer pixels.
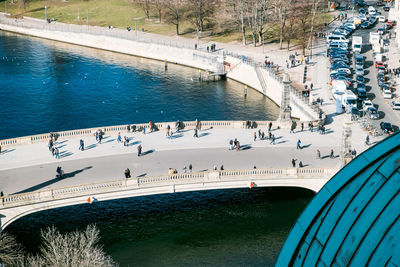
{"type": "Point", "coordinates": [45, 13]}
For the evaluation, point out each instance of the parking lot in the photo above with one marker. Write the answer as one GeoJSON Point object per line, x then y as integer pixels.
{"type": "Point", "coordinates": [374, 92]}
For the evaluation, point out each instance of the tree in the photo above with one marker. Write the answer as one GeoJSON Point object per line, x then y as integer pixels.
{"type": "Point", "coordinates": [175, 12]}
{"type": "Point", "coordinates": [159, 6]}
{"type": "Point", "coordinates": [237, 10]}
{"type": "Point", "coordinates": [281, 8]}
{"type": "Point", "coordinates": [200, 11]}
{"type": "Point", "coordinates": [11, 252]}
{"type": "Point", "coordinates": [71, 249]}
{"type": "Point", "coordinates": [314, 9]}
{"type": "Point", "coordinates": [304, 23]}
{"type": "Point", "coordinates": [145, 6]}
{"type": "Point", "coordinates": [290, 30]}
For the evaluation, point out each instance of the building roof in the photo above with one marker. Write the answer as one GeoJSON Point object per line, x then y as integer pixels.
{"type": "Point", "coordinates": [354, 219]}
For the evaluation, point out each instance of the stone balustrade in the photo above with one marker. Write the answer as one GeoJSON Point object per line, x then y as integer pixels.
{"type": "Point", "coordinates": [121, 128]}
{"type": "Point", "coordinates": [35, 197]}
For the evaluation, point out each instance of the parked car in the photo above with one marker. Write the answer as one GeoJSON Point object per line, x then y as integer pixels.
{"type": "Point", "coordinates": [380, 3]}
{"type": "Point", "coordinates": [366, 104]}
{"type": "Point", "coordinates": [360, 71]}
{"type": "Point", "coordinates": [360, 78]}
{"type": "Point", "coordinates": [365, 25]}
{"type": "Point", "coordinates": [395, 105]}
{"type": "Point", "coordinates": [386, 8]}
{"type": "Point", "coordinates": [381, 31]}
{"type": "Point", "coordinates": [387, 94]}
{"type": "Point", "coordinates": [372, 113]}
{"type": "Point", "coordinates": [386, 127]}
{"type": "Point", "coordinates": [381, 19]}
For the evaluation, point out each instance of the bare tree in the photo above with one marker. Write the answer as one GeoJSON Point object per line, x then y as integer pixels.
{"type": "Point", "coordinates": [281, 9]}
{"type": "Point", "coordinates": [290, 29]}
{"type": "Point", "coordinates": [72, 249]}
{"type": "Point", "coordinates": [145, 5]}
{"type": "Point", "coordinates": [11, 252]}
{"type": "Point", "coordinates": [159, 5]}
{"type": "Point", "coordinates": [304, 22]}
{"type": "Point", "coordinates": [175, 12]}
{"type": "Point", "coordinates": [200, 11]}
{"type": "Point", "coordinates": [238, 11]}
{"type": "Point", "coordinates": [314, 9]}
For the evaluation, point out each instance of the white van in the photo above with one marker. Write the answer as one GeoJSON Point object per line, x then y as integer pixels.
{"type": "Point", "coordinates": [337, 38]}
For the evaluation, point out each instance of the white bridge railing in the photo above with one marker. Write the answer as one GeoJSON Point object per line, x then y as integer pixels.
{"type": "Point", "coordinates": [154, 181]}
{"type": "Point", "coordinates": [121, 128]}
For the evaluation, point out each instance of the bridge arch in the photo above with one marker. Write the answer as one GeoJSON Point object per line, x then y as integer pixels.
{"type": "Point", "coordinates": [16, 206]}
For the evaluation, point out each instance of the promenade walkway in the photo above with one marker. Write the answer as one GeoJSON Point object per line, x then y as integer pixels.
{"type": "Point", "coordinates": [32, 167]}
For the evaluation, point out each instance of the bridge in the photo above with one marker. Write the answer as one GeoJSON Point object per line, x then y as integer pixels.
{"type": "Point", "coordinates": [13, 207]}
{"type": "Point", "coordinates": [27, 168]}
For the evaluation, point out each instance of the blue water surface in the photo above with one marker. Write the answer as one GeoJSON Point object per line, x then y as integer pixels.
{"type": "Point", "coordinates": [50, 86]}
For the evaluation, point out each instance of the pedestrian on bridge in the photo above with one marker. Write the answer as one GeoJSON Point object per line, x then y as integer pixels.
{"type": "Point", "coordinates": [190, 167]}
{"type": "Point", "coordinates": [81, 145]}
{"type": "Point", "coordinates": [302, 126]}
{"type": "Point", "coordinates": [119, 139]}
{"type": "Point", "coordinates": [127, 173]}
{"type": "Point", "coordinates": [139, 150]}
{"type": "Point", "coordinates": [294, 163]}
{"type": "Point", "coordinates": [299, 144]}
{"type": "Point", "coordinates": [50, 144]}
{"type": "Point", "coordinates": [255, 136]}
{"type": "Point", "coordinates": [195, 133]}
{"type": "Point", "coordinates": [57, 152]}
{"type": "Point", "coordinates": [269, 127]}
{"type": "Point", "coordinates": [332, 155]}
{"type": "Point", "coordinates": [318, 154]}
{"type": "Point", "coordinates": [273, 139]}
{"type": "Point", "coordinates": [367, 140]}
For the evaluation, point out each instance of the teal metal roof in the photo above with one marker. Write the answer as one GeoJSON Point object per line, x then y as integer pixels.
{"type": "Point", "coordinates": [355, 219]}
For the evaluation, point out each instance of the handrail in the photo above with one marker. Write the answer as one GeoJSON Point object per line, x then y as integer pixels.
{"type": "Point", "coordinates": [154, 181]}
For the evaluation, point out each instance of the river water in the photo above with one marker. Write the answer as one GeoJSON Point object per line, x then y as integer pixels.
{"type": "Point", "coordinates": [48, 86]}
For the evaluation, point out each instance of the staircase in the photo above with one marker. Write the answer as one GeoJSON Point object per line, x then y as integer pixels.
{"type": "Point", "coordinates": [261, 79]}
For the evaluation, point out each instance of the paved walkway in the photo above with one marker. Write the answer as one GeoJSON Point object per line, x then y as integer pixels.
{"type": "Point", "coordinates": [32, 167]}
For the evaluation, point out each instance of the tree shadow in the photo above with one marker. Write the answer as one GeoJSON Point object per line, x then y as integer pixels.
{"type": "Point", "coordinates": [54, 180]}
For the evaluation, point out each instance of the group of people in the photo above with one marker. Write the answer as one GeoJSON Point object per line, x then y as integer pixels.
{"type": "Point", "coordinates": [211, 48]}
{"type": "Point", "coordinates": [293, 61]}
{"type": "Point", "coordinates": [126, 139]}
{"type": "Point", "coordinates": [234, 144]}
{"type": "Point", "coordinates": [99, 135]}
{"type": "Point", "coordinates": [53, 149]}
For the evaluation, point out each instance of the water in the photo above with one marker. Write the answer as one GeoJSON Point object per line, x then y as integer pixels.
{"type": "Point", "coordinates": [49, 86]}
{"type": "Point", "coordinates": [219, 228]}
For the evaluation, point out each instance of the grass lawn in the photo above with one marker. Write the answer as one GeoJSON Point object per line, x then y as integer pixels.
{"type": "Point", "coordinates": [122, 13]}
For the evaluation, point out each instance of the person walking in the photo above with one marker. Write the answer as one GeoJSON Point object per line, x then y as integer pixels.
{"type": "Point", "coordinates": [195, 133]}
{"type": "Point", "coordinates": [292, 127]}
{"type": "Point", "coordinates": [332, 154]}
{"type": "Point", "coordinates": [273, 139]}
{"type": "Point", "coordinates": [222, 168]}
{"type": "Point", "coordinates": [50, 144]}
{"type": "Point", "coordinates": [311, 86]}
{"type": "Point", "coordinates": [310, 127]}
{"type": "Point", "coordinates": [190, 167]}
{"type": "Point", "coordinates": [119, 139]}
{"type": "Point", "coordinates": [57, 152]}
{"type": "Point", "coordinates": [318, 154]}
{"type": "Point", "coordinates": [298, 144]}
{"type": "Point", "coordinates": [367, 140]}
{"type": "Point", "coordinates": [302, 126]}
{"type": "Point", "coordinates": [139, 150]}
{"type": "Point", "coordinates": [127, 173]}
{"type": "Point", "coordinates": [100, 137]}
{"type": "Point", "coordinates": [255, 136]}
{"type": "Point", "coordinates": [269, 126]}
{"type": "Point", "coordinates": [301, 164]}
{"type": "Point", "coordinates": [81, 145]}
{"type": "Point", "coordinates": [294, 163]}
{"type": "Point", "coordinates": [184, 169]}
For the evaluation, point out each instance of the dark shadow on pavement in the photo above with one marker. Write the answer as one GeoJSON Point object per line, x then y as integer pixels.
{"type": "Point", "coordinates": [175, 136]}
{"type": "Point", "coordinates": [108, 141]}
{"type": "Point", "coordinates": [147, 152]}
{"type": "Point", "coordinates": [61, 142]}
{"type": "Point", "coordinates": [281, 142]}
{"type": "Point", "coordinates": [64, 154]}
{"type": "Point", "coordinates": [203, 134]}
{"type": "Point", "coordinates": [90, 146]}
{"type": "Point", "coordinates": [142, 175]}
{"type": "Point", "coordinates": [245, 147]}
{"type": "Point", "coordinates": [54, 180]}
{"type": "Point", "coordinates": [7, 151]}
{"type": "Point", "coordinates": [134, 143]}
{"type": "Point", "coordinates": [305, 146]}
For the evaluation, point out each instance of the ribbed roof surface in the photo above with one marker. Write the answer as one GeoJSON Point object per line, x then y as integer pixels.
{"type": "Point", "coordinates": [354, 219]}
